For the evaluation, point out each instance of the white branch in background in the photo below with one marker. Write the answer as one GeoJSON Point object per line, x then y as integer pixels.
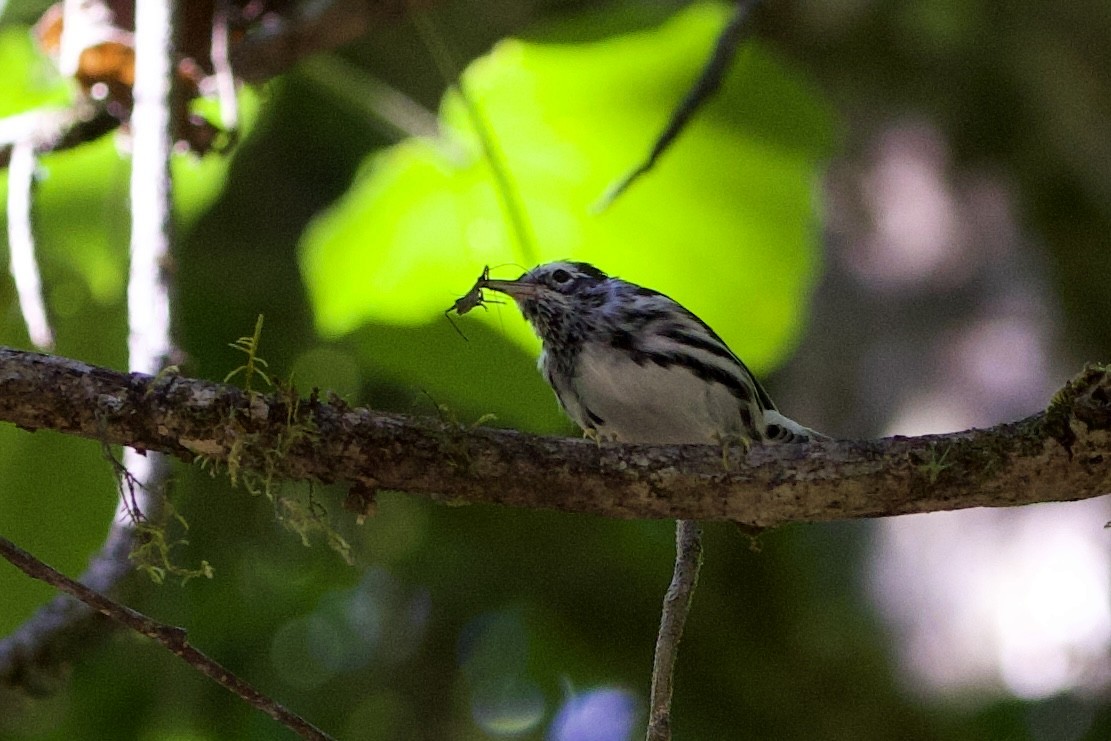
{"type": "Point", "coordinates": [223, 79]}
{"type": "Point", "coordinates": [21, 245]}
{"type": "Point", "coordinates": [148, 301]}
{"type": "Point", "coordinates": [63, 627]}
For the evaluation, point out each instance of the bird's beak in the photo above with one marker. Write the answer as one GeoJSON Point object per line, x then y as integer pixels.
{"type": "Point", "coordinates": [516, 288]}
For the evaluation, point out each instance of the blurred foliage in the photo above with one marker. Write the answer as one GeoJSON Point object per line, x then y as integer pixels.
{"type": "Point", "coordinates": [81, 252]}
{"type": "Point", "coordinates": [81, 229]}
{"type": "Point", "coordinates": [1020, 88]}
{"type": "Point", "coordinates": [425, 215]}
{"type": "Point", "coordinates": [469, 622]}
{"type": "Point", "coordinates": [32, 81]}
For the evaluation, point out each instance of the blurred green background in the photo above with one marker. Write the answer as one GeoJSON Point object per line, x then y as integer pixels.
{"type": "Point", "coordinates": [480, 622]}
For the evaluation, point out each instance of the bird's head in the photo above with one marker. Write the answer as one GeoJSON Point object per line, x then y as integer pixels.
{"type": "Point", "coordinates": [557, 295]}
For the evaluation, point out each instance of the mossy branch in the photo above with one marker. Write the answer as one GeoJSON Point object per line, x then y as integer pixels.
{"type": "Point", "coordinates": [1061, 454]}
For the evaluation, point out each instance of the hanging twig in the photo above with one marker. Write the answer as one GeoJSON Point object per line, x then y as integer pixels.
{"type": "Point", "coordinates": [21, 245]}
{"type": "Point", "coordinates": [512, 205]}
{"type": "Point", "coordinates": [725, 49]}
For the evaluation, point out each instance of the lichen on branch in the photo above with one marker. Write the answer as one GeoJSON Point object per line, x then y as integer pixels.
{"type": "Point", "coordinates": [1058, 455]}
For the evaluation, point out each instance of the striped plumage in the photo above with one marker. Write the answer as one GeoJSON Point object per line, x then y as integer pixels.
{"type": "Point", "coordinates": [632, 364]}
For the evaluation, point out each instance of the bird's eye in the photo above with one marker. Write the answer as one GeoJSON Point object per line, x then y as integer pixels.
{"type": "Point", "coordinates": [561, 276]}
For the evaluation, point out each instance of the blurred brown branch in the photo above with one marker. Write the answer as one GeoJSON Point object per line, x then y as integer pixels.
{"type": "Point", "coordinates": [95, 48]}
{"type": "Point", "coordinates": [305, 29]}
{"type": "Point", "coordinates": [1060, 454]}
{"type": "Point", "coordinates": [54, 129]}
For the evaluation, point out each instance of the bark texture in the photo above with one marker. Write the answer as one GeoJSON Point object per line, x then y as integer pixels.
{"type": "Point", "coordinates": [1061, 454]}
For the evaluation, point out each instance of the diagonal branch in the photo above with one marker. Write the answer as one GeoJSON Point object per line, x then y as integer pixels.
{"type": "Point", "coordinates": [1061, 454]}
{"type": "Point", "coordinates": [704, 88]}
{"type": "Point", "coordinates": [171, 637]}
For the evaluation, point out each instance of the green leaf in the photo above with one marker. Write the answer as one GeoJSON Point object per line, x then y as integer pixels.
{"type": "Point", "coordinates": [728, 216]}
{"type": "Point", "coordinates": [725, 224]}
{"type": "Point", "coordinates": [30, 79]}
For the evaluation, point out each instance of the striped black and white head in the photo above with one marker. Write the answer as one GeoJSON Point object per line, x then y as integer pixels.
{"type": "Point", "coordinates": [564, 301]}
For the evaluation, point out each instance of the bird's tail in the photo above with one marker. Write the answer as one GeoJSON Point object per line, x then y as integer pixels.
{"type": "Point", "coordinates": [781, 429]}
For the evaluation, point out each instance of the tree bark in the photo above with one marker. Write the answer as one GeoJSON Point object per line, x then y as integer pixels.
{"type": "Point", "coordinates": [1061, 454]}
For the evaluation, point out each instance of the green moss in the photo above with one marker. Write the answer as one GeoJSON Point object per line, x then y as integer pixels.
{"type": "Point", "coordinates": [254, 458]}
{"type": "Point", "coordinates": [933, 468]}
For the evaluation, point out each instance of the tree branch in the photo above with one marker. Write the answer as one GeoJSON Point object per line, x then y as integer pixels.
{"type": "Point", "coordinates": [704, 88]}
{"type": "Point", "coordinates": [54, 129]}
{"type": "Point", "coordinates": [171, 637]}
{"type": "Point", "coordinates": [1061, 454]}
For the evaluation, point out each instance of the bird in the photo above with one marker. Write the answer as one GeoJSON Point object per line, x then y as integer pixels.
{"type": "Point", "coordinates": [630, 364]}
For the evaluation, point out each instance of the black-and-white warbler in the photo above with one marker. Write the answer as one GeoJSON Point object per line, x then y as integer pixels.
{"type": "Point", "coordinates": [628, 363]}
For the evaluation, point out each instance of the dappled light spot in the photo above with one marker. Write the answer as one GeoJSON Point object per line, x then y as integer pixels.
{"type": "Point", "coordinates": [603, 714]}
{"type": "Point", "coordinates": [1012, 601]}
{"type": "Point", "coordinates": [493, 656]}
{"type": "Point", "coordinates": [379, 622]}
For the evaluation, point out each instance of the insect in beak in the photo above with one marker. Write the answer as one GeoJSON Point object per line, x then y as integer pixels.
{"type": "Point", "coordinates": [517, 289]}
{"type": "Point", "coordinates": [473, 298]}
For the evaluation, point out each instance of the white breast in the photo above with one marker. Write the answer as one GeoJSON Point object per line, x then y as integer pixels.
{"type": "Point", "coordinates": [648, 403]}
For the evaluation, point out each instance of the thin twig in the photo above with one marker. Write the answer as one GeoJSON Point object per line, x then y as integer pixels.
{"type": "Point", "coordinates": [708, 82]}
{"type": "Point", "coordinates": [398, 114]}
{"type": "Point", "coordinates": [21, 245]}
{"type": "Point", "coordinates": [676, 607]}
{"type": "Point", "coordinates": [509, 193]}
{"type": "Point", "coordinates": [173, 638]}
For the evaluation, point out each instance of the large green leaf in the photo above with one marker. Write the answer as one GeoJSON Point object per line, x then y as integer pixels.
{"type": "Point", "coordinates": [725, 223]}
